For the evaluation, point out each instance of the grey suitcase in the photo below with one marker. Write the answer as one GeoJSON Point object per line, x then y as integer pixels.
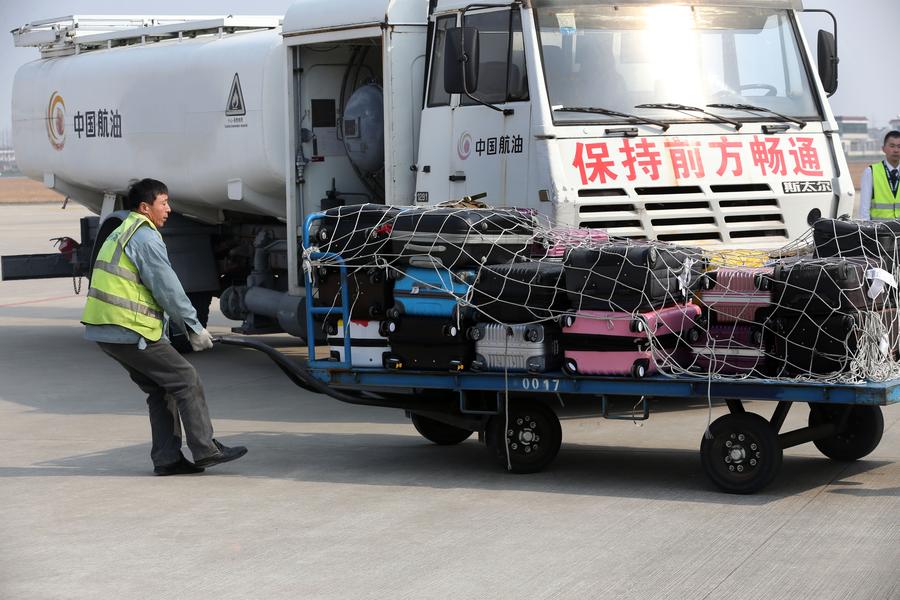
{"type": "Point", "coordinates": [518, 348]}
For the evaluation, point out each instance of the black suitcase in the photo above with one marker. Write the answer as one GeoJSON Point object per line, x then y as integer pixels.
{"type": "Point", "coordinates": [821, 286]}
{"type": "Point", "coordinates": [370, 291]}
{"type": "Point", "coordinates": [520, 292]}
{"type": "Point", "coordinates": [807, 344]}
{"type": "Point", "coordinates": [357, 233]}
{"type": "Point", "coordinates": [876, 240]}
{"type": "Point", "coordinates": [461, 237]}
{"type": "Point", "coordinates": [428, 344]}
{"type": "Point", "coordinates": [629, 277]}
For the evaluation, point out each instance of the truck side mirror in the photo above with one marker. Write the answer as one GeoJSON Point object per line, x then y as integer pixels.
{"type": "Point", "coordinates": [828, 61]}
{"type": "Point", "coordinates": [461, 60]}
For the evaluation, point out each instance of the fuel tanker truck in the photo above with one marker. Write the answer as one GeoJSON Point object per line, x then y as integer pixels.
{"type": "Point", "coordinates": [701, 122]}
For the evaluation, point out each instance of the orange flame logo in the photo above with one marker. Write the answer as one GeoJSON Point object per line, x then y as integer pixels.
{"type": "Point", "coordinates": [56, 121]}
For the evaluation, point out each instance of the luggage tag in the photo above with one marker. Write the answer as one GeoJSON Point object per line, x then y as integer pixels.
{"type": "Point", "coordinates": [878, 278]}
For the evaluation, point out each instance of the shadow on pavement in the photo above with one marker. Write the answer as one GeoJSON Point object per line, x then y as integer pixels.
{"type": "Point", "coordinates": [409, 461]}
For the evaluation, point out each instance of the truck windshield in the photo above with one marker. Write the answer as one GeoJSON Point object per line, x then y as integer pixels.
{"type": "Point", "coordinates": [619, 57]}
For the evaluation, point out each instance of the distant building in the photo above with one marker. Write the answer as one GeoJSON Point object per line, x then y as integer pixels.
{"type": "Point", "coordinates": [894, 124]}
{"type": "Point", "coordinates": [856, 136]}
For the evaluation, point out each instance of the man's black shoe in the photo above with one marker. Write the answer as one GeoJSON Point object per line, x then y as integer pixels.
{"type": "Point", "coordinates": [225, 454]}
{"type": "Point", "coordinates": [182, 467]}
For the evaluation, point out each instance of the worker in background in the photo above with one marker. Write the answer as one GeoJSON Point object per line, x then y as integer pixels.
{"type": "Point", "coordinates": [133, 293]}
{"type": "Point", "coordinates": [878, 195]}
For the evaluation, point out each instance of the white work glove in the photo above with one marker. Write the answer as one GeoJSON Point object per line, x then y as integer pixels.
{"type": "Point", "coordinates": [200, 341]}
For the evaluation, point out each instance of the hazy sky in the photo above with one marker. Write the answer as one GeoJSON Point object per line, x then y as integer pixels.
{"type": "Point", "coordinates": [867, 32]}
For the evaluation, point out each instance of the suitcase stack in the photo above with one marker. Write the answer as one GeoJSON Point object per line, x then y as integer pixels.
{"type": "Point", "coordinates": [597, 342]}
{"type": "Point", "coordinates": [631, 307]}
{"type": "Point", "coordinates": [819, 309]}
{"type": "Point", "coordinates": [737, 302]}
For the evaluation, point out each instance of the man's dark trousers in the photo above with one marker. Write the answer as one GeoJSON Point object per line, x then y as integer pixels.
{"type": "Point", "coordinates": [173, 388]}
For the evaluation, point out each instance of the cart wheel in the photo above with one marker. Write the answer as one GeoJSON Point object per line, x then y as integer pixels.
{"type": "Point", "coordinates": [743, 456]}
{"type": "Point", "coordinates": [639, 368]}
{"type": "Point", "coordinates": [532, 433]}
{"type": "Point", "coordinates": [437, 432]}
{"type": "Point", "coordinates": [865, 425]}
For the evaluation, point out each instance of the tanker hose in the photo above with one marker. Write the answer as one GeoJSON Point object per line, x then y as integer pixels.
{"type": "Point", "coordinates": [296, 371]}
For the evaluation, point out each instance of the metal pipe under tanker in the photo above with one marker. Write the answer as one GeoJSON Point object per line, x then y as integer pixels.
{"type": "Point", "coordinates": [176, 110]}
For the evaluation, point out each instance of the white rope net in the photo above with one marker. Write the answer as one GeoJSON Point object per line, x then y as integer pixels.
{"type": "Point", "coordinates": [820, 309]}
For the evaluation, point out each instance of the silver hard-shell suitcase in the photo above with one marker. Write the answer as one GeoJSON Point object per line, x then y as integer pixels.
{"type": "Point", "coordinates": [518, 348]}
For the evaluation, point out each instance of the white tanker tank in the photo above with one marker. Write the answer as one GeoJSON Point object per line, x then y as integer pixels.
{"type": "Point", "coordinates": [197, 103]}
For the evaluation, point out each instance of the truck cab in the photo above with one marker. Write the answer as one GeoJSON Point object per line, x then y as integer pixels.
{"type": "Point", "coordinates": [701, 123]}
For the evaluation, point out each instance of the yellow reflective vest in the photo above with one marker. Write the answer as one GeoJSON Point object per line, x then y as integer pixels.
{"type": "Point", "coordinates": [885, 203]}
{"type": "Point", "coordinates": [116, 295]}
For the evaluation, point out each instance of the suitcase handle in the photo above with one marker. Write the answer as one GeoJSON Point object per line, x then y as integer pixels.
{"type": "Point", "coordinates": [425, 247]}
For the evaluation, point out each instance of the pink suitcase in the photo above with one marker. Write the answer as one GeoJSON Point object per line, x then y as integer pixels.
{"type": "Point", "coordinates": [729, 349]}
{"type": "Point", "coordinates": [599, 342]}
{"type": "Point", "coordinates": [557, 240]}
{"type": "Point", "coordinates": [736, 294]}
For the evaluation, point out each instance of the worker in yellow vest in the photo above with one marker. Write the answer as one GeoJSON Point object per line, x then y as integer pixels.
{"type": "Point", "coordinates": [133, 293]}
{"type": "Point", "coordinates": [879, 199]}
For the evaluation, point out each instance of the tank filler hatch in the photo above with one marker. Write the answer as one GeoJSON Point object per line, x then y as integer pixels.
{"type": "Point", "coordinates": [74, 34]}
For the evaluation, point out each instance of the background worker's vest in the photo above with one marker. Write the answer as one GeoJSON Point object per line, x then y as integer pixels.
{"type": "Point", "coordinates": [885, 203]}
{"type": "Point", "coordinates": [117, 296]}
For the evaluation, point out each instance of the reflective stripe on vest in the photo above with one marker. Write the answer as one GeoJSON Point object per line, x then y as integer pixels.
{"type": "Point", "coordinates": [885, 203]}
{"type": "Point", "coordinates": [117, 296]}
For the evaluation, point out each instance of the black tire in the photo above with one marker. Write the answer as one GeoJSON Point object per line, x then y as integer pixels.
{"type": "Point", "coordinates": [862, 434]}
{"type": "Point", "coordinates": [743, 456]}
{"type": "Point", "coordinates": [534, 436]}
{"type": "Point", "coordinates": [437, 432]}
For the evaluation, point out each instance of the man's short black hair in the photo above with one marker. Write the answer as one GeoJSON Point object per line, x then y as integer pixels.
{"type": "Point", "coordinates": [891, 135]}
{"type": "Point", "coordinates": [145, 190]}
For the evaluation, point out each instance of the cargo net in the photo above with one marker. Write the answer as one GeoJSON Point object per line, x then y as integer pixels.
{"type": "Point", "coordinates": [822, 308]}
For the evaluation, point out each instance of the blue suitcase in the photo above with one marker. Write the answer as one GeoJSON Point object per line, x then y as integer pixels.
{"type": "Point", "coordinates": [431, 292]}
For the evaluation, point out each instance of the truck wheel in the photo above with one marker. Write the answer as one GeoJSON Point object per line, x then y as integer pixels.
{"type": "Point", "coordinates": [743, 456]}
{"type": "Point", "coordinates": [531, 434]}
{"type": "Point", "coordinates": [862, 434]}
{"type": "Point", "coordinates": [437, 432]}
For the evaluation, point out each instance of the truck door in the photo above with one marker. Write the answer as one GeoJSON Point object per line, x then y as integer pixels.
{"type": "Point", "coordinates": [466, 147]}
{"type": "Point", "coordinates": [489, 149]}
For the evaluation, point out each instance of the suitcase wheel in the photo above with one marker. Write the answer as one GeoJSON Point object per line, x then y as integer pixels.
{"type": "Point", "coordinates": [474, 334]}
{"type": "Point", "coordinates": [323, 234]}
{"type": "Point", "coordinates": [761, 282]}
{"type": "Point", "coordinates": [392, 362]}
{"type": "Point", "coordinates": [694, 335]}
{"type": "Point", "coordinates": [450, 330]}
{"type": "Point", "coordinates": [651, 257]}
{"type": "Point", "coordinates": [709, 280]}
{"type": "Point", "coordinates": [394, 313]}
{"type": "Point", "coordinates": [568, 320]}
{"type": "Point", "coordinates": [335, 355]}
{"type": "Point", "coordinates": [457, 365]}
{"type": "Point", "coordinates": [638, 326]}
{"type": "Point", "coordinates": [330, 328]}
{"type": "Point", "coordinates": [388, 327]}
{"type": "Point", "coordinates": [639, 368]}
{"type": "Point", "coordinates": [756, 337]}
{"type": "Point", "coordinates": [477, 365]}
{"type": "Point", "coordinates": [570, 366]}
{"type": "Point", "coordinates": [532, 334]}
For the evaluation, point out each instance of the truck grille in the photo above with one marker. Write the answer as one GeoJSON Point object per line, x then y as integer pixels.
{"type": "Point", "coordinates": [740, 213]}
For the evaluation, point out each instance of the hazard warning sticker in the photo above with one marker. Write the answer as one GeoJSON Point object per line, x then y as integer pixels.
{"type": "Point", "coordinates": [235, 109]}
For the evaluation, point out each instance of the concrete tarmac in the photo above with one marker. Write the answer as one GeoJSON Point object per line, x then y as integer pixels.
{"type": "Point", "coordinates": [336, 501]}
